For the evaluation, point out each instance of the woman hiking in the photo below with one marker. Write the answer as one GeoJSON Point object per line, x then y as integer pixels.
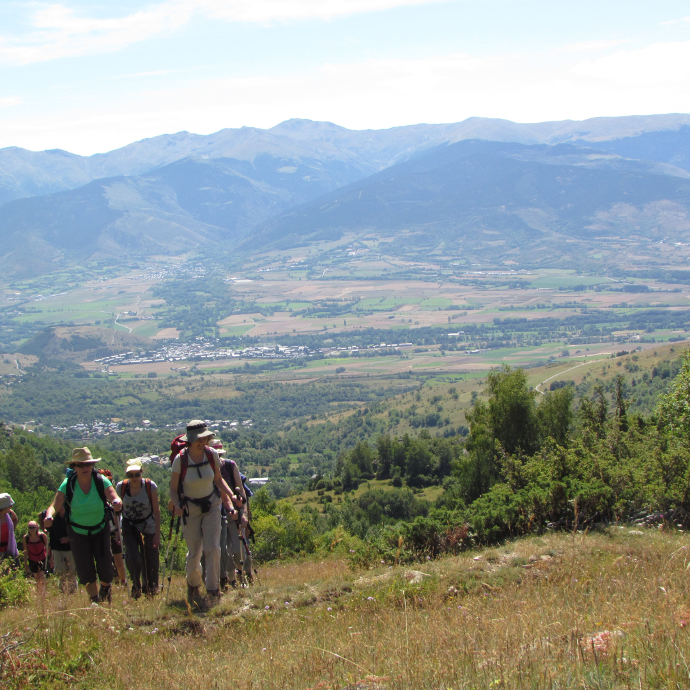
{"type": "Point", "coordinates": [196, 488]}
{"type": "Point", "coordinates": [85, 495]}
{"type": "Point", "coordinates": [141, 529]}
{"type": "Point", "coordinates": [35, 552]}
{"type": "Point", "coordinates": [8, 521]}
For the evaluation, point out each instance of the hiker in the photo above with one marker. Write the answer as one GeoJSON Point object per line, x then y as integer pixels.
{"type": "Point", "coordinates": [230, 527]}
{"type": "Point", "coordinates": [8, 521]}
{"type": "Point", "coordinates": [35, 552]}
{"type": "Point", "coordinates": [85, 495]}
{"type": "Point", "coordinates": [196, 487]}
{"type": "Point", "coordinates": [60, 555]}
{"type": "Point", "coordinates": [116, 539]}
{"type": "Point", "coordinates": [141, 529]}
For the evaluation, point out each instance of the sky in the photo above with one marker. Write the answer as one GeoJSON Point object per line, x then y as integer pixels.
{"type": "Point", "coordinates": [90, 77]}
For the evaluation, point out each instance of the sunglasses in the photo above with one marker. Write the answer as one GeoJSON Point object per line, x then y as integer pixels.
{"type": "Point", "coordinates": [32, 528]}
{"type": "Point", "coordinates": [81, 465]}
{"type": "Point", "coordinates": [133, 475]}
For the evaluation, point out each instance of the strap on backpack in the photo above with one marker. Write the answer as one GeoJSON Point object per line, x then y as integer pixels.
{"type": "Point", "coordinates": [69, 495]}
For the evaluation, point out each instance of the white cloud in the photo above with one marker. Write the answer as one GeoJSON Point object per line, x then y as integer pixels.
{"type": "Point", "coordinates": [652, 65]}
{"type": "Point", "coordinates": [682, 20]}
{"type": "Point", "coordinates": [280, 10]}
{"type": "Point", "coordinates": [10, 100]}
{"type": "Point", "coordinates": [58, 31]}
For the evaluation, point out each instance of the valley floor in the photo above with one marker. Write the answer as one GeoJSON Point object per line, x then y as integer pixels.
{"type": "Point", "coordinates": [608, 609]}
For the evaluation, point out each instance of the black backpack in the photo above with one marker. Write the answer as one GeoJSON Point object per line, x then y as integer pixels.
{"type": "Point", "coordinates": [69, 495]}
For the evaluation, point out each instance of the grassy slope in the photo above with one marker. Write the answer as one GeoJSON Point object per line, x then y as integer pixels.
{"type": "Point", "coordinates": [601, 610]}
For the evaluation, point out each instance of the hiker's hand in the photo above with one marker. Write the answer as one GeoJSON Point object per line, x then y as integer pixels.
{"type": "Point", "coordinates": [179, 512]}
{"type": "Point", "coordinates": [51, 563]}
{"type": "Point", "coordinates": [156, 541]}
{"type": "Point", "coordinates": [47, 522]}
{"type": "Point", "coordinates": [64, 540]}
{"type": "Point", "coordinates": [117, 505]}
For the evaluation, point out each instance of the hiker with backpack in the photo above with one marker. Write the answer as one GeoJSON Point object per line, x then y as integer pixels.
{"type": "Point", "coordinates": [141, 529]}
{"type": "Point", "coordinates": [116, 545]}
{"type": "Point", "coordinates": [8, 521]}
{"type": "Point", "coordinates": [197, 491]}
{"type": "Point", "coordinates": [35, 552]}
{"type": "Point", "coordinates": [231, 549]}
{"type": "Point", "coordinates": [60, 556]}
{"type": "Point", "coordinates": [85, 494]}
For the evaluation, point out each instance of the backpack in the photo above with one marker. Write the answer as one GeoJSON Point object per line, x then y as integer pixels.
{"type": "Point", "coordinates": [69, 495]}
{"type": "Point", "coordinates": [184, 466]}
{"type": "Point", "coordinates": [147, 484]}
{"type": "Point", "coordinates": [184, 462]}
{"type": "Point", "coordinates": [176, 447]}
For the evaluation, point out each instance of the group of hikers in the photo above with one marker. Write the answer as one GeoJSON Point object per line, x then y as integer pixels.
{"type": "Point", "coordinates": [90, 522]}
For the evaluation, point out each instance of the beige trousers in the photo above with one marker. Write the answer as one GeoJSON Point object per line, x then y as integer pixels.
{"type": "Point", "coordinates": [202, 534]}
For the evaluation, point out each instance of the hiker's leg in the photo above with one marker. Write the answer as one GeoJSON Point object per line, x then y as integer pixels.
{"type": "Point", "coordinates": [152, 559]}
{"type": "Point", "coordinates": [224, 564]}
{"type": "Point", "coordinates": [247, 562]}
{"type": "Point", "coordinates": [82, 552]}
{"type": "Point", "coordinates": [211, 544]}
{"type": "Point", "coordinates": [234, 537]}
{"type": "Point", "coordinates": [191, 532]}
{"type": "Point", "coordinates": [130, 537]}
{"type": "Point", "coordinates": [103, 556]}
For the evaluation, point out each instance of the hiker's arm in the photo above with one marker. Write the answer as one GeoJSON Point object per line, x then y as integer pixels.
{"type": "Point", "coordinates": [25, 556]}
{"type": "Point", "coordinates": [113, 498]}
{"type": "Point", "coordinates": [54, 507]}
{"type": "Point", "coordinates": [224, 489]}
{"type": "Point", "coordinates": [155, 506]}
{"type": "Point", "coordinates": [13, 517]}
{"type": "Point", "coordinates": [174, 496]}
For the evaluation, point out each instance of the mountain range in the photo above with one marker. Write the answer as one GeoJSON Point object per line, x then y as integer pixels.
{"type": "Point", "coordinates": [304, 180]}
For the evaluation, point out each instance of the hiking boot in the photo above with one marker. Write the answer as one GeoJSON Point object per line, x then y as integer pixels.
{"type": "Point", "coordinates": [224, 584]}
{"type": "Point", "coordinates": [233, 584]}
{"type": "Point", "coordinates": [105, 593]}
{"type": "Point", "coordinates": [193, 595]}
{"type": "Point", "coordinates": [95, 600]}
{"type": "Point", "coordinates": [250, 579]}
{"type": "Point", "coordinates": [136, 593]}
{"type": "Point", "coordinates": [213, 596]}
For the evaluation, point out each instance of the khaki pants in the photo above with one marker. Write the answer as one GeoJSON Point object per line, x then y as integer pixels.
{"type": "Point", "coordinates": [64, 568]}
{"type": "Point", "coordinates": [202, 534]}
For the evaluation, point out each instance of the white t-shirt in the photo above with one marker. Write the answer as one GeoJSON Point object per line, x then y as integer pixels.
{"type": "Point", "coordinates": [198, 481]}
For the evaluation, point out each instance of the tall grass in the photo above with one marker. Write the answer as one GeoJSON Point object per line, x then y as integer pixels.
{"type": "Point", "coordinates": [602, 610]}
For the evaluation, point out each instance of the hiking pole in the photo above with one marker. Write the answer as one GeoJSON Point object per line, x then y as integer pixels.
{"type": "Point", "coordinates": [243, 539]}
{"type": "Point", "coordinates": [177, 535]}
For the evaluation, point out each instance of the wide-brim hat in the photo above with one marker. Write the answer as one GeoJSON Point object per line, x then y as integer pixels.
{"type": "Point", "coordinates": [218, 447]}
{"type": "Point", "coordinates": [81, 455]}
{"type": "Point", "coordinates": [133, 466]}
{"type": "Point", "coordinates": [196, 429]}
{"type": "Point", "coordinates": [6, 501]}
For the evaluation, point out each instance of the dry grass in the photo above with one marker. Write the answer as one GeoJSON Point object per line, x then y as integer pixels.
{"type": "Point", "coordinates": [604, 610]}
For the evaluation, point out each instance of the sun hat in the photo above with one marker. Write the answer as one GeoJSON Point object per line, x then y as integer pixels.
{"type": "Point", "coordinates": [81, 455]}
{"type": "Point", "coordinates": [133, 466]}
{"type": "Point", "coordinates": [6, 501]}
{"type": "Point", "coordinates": [196, 429]}
{"type": "Point", "coordinates": [218, 447]}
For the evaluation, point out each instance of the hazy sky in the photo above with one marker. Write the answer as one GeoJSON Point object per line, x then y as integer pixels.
{"type": "Point", "coordinates": [92, 76]}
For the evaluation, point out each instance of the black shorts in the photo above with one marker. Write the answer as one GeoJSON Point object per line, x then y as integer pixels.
{"type": "Point", "coordinates": [115, 546]}
{"type": "Point", "coordinates": [36, 566]}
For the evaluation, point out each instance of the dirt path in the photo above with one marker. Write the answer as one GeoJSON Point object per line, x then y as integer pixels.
{"type": "Point", "coordinates": [560, 373]}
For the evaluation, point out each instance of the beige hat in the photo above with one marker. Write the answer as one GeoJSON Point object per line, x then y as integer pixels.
{"type": "Point", "coordinates": [196, 429]}
{"type": "Point", "coordinates": [133, 466]}
{"type": "Point", "coordinates": [81, 455]}
{"type": "Point", "coordinates": [6, 501]}
{"type": "Point", "coordinates": [218, 447]}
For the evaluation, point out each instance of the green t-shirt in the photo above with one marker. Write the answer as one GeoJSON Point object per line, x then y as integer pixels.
{"type": "Point", "coordinates": [87, 509]}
